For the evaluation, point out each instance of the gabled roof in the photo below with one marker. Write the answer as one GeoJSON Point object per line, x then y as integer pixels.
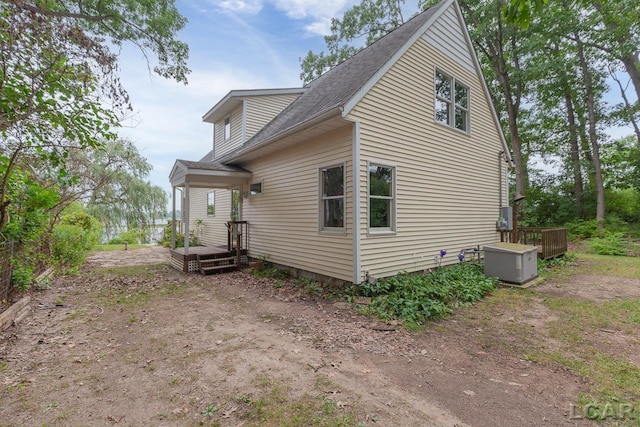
{"type": "Point", "coordinates": [235, 97]}
{"type": "Point", "coordinates": [336, 87]}
{"type": "Point", "coordinates": [206, 174]}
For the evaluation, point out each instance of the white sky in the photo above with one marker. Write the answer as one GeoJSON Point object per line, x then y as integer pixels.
{"type": "Point", "coordinates": [234, 44]}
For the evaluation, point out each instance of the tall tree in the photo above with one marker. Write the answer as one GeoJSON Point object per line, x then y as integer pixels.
{"type": "Point", "coordinates": [359, 27]}
{"type": "Point", "coordinates": [59, 88]}
{"type": "Point", "coordinates": [500, 44]}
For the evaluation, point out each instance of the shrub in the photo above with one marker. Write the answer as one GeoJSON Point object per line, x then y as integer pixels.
{"type": "Point", "coordinates": [22, 275]}
{"type": "Point", "coordinates": [416, 298]}
{"type": "Point", "coordinates": [130, 236]}
{"type": "Point", "coordinates": [609, 244]}
{"type": "Point", "coordinates": [69, 245]}
{"type": "Point", "coordinates": [580, 229]}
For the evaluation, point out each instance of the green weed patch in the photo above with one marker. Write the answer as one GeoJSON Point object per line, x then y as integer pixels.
{"type": "Point", "coordinates": [418, 298]}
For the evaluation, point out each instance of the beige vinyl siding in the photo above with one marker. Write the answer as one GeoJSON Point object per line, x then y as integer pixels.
{"type": "Point", "coordinates": [283, 221]}
{"type": "Point", "coordinates": [260, 110]}
{"type": "Point", "coordinates": [222, 146]}
{"type": "Point", "coordinates": [447, 35]}
{"type": "Point", "coordinates": [447, 180]}
{"type": "Point", "coordinates": [214, 229]}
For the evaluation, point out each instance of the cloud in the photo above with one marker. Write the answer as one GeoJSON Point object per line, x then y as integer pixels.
{"type": "Point", "coordinates": [319, 11]}
{"type": "Point", "coordinates": [240, 6]}
{"type": "Point", "coordinates": [319, 28]}
{"type": "Point", "coordinates": [300, 9]}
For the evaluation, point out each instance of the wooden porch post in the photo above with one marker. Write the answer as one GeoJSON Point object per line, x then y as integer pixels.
{"type": "Point", "coordinates": [173, 218]}
{"type": "Point", "coordinates": [185, 216]}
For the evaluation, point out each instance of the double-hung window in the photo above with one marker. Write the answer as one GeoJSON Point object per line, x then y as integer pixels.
{"type": "Point", "coordinates": [452, 102]}
{"type": "Point", "coordinates": [332, 198]}
{"type": "Point", "coordinates": [382, 197]}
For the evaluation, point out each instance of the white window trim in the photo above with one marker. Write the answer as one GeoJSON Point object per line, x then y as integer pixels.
{"type": "Point", "coordinates": [383, 231]}
{"type": "Point", "coordinates": [224, 131]}
{"type": "Point", "coordinates": [452, 103]}
{"type": "Point", "coordinates": [261, 182]}
{"type": "Point", "coordinates": [332, 230]}
{"type": "Point", "coordinates": [214, 204]}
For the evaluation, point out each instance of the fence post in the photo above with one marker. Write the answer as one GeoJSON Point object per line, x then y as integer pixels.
{"type": "Point", "coordinates": [6, 270]}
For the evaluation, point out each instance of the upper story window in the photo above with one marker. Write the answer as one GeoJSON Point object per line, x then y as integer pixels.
{"type": "Point", "coordinates": [452, 102]}
{"type": "Point", "coordinates": [227, 127]}
{"type": "Point", "coordinates": [332, 198]}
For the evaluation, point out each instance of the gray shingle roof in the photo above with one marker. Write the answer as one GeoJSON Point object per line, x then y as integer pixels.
{"type": "Point", "coordinates": [207, 157]}
{"type": "Point", "coordinates": [209, 165]}
{"type": "Point", "coordinates": [337, 86]}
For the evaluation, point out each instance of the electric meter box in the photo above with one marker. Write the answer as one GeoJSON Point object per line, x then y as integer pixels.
{"type": "Point", "coordinates": [505, 223]}
{"type": "Point", "coordinates": [511, 262]}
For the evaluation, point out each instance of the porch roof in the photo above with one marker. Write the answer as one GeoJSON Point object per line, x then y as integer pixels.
{"type": "Point", "coordinates": [207, 175]}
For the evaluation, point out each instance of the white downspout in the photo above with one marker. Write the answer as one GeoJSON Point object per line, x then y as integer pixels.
{"type": "Point", "coordinates": [355, 172]}
{"type": "Point", "coordinates": [244, 121]}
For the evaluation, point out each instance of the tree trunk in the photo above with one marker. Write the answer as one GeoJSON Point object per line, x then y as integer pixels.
{"type": "Point", "coordinates": [593, 135]}
{"type": "Point", "coordinates": [578, 185]}
{"type": "Point", "coordinates": [631, 64]}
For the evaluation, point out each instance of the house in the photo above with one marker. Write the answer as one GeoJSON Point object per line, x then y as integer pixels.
{"type": "Point", "coordinates": [372, 169]}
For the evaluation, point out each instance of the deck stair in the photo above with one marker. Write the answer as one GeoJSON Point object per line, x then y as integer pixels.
{"type": "Point", "coordinates": [211, 263]}
{"type": "Point", "coordinates": [236, 254]}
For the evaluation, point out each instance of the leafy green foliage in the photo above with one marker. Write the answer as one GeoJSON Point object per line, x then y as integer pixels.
{"type": "Point", "coordinates": [417, 298]}
{"type": "Point", "coordinates": [119, 196]}
{"type": "Point", "coordinates": [72, 238]}
{"type": "Point", "coordinates": [523, 12]}
{"type": "Point", "coordinates": [609, 244]}
{"type": "Point", "coordinates": [371, 20]}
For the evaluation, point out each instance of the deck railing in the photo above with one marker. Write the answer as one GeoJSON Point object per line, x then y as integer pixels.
{"type": "Point", "coordinates": [237, 238]}
{"type": "Point", "coordinates": [551, 242]}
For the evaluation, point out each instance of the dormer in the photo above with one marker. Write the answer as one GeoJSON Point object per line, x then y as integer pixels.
{"type": "Point", "coordinates": [242, 113]}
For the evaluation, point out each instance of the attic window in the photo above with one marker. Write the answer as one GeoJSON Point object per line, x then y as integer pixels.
{"type": "Point", "coordinates": [452, 102]}
{"type": "Point", "coordinates": [227, 127]}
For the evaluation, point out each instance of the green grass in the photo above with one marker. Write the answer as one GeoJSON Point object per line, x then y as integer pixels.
{"type": "Point", "coordinates": [577, 334]}
{"type": "Point", "coordinates": [628, 267]}
{"type": "Point", "coordinates": [118, 247]}
{"type": "Point", "coordinates": [274, 406]}
{"type": "Point", "coordinates": [133, 272]}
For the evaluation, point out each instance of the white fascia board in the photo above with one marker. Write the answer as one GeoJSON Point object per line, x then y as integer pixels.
{"type": "Point", "coordinates": [223, 108]}
{"type": "Point", "coordinates": [177, 170]}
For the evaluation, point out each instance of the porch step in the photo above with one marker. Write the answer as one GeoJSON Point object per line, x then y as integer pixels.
{"type": "Point", "coordinates": [207, 264]}
{"type": "Point", "coordinates": [205, 270]}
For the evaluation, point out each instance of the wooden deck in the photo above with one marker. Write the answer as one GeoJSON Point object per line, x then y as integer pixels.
{"type": "Point", "coordinates": [551, 242]}
{"type": "Point", "coordinates": [189, 262]}
{"type": "Point", "coordinates": [208, 259]}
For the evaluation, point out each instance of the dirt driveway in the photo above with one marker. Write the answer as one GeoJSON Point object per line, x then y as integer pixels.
{"type": "Point", "coordinates": [154, 346]}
